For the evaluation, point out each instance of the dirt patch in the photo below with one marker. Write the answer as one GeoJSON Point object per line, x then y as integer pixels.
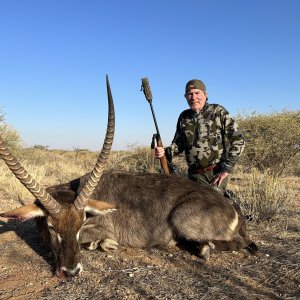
{"type": "Point", "coordinates": [26, 270]}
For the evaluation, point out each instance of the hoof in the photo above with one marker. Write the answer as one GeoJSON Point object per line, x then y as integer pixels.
{"type": "Point", "coordinates": [108, 245]}
{"type": "Point", "coordinates": [93, 245]}
{"type": "Point", "coordinates": [252, 248]}
{"type": "Point", "coordinates": [205, 252]}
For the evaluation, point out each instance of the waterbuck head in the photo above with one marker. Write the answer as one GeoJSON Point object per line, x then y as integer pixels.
{"type": "Point", "coordinates": [60, 214]}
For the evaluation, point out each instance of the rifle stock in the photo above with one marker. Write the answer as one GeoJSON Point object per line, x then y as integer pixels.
{"type": "Point", "coordinates": [163, 160]}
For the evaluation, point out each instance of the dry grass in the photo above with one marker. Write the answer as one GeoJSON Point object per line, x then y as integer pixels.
{"type": "Point", "coordinates": [261, 195]}
{"type": "Point", "coordinates": [154, 274]}
{"type": "Point", "coordinates": [45, 167]}
{"type": "Point", "coordinates": [51, 167]}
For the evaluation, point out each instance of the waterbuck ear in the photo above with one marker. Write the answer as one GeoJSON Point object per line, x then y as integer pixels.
{"type": "Point", "coordinates": [98, 207]}
{"type": "Point", "coordinates": [24, 213]}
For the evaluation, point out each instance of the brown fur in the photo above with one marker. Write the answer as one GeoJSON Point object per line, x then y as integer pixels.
{"type": "Point", "coordinates": [143, 210]}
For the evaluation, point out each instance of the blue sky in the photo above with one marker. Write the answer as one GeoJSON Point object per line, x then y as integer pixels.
{"type": "Point", "coordinates": [54, 56]}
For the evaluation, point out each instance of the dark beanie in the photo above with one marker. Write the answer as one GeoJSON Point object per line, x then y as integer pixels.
{"type": "Point", "coordinates": [195, 84]}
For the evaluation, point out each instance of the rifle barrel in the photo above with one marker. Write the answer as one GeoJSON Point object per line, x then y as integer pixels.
{"type": "Point", "coordinates": [148, 95]}
{"type": "Point", "coordinates": [154, 118]}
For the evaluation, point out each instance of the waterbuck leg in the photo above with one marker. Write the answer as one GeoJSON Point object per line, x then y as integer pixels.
{"type": "Point", "coordinates": [99, 234]}
{"type": "Point", "coordinates": [205, 250]}
{"type": "Point", "coordinates": [199, 249]}
{"type": "Point", "coordinates": [93, 245]}
{"type": "Point", "coordinates": [108, 245]}
{"type": "Point", "coordinates": [205, 222]}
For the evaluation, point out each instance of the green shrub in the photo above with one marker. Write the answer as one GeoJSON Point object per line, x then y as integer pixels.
{"type": "Point", "coordinates": [10, 136]}
{"type": "Point", "coordinates": [272, 140]}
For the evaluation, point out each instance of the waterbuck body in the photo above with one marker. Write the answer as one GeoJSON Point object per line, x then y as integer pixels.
{"type": "Point", "coordinates": [147, 210]}
{"type": "Point", "coordinates": [154, 210]}
{"type": "Point", "coordinates": [112, 208]}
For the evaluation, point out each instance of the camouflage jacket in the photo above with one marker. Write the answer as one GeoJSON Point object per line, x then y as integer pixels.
{"type": "Point", "coordinates": [208, 137]}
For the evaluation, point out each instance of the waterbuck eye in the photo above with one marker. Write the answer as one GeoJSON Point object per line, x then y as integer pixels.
{"type": "Point", "coordinates": [51, 229]}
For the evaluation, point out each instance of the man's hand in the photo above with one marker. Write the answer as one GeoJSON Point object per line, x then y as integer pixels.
{"type": "Point", "coordinates": [159, 152]}
{"type": "Point", "coordinates": [219, 178]}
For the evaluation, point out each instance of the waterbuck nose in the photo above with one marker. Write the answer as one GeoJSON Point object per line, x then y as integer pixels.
{"type": "Point", "coordinates": [73, 272]}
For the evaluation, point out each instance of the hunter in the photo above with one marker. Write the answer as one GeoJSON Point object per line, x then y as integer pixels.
{"type": "Point", "coordinates": [209, 136]}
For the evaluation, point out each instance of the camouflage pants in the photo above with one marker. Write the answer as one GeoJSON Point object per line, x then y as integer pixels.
{"type": "Point", "coordinates": [206, 178]}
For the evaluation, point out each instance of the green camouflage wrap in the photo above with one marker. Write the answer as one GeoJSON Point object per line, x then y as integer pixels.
{"type": "Point", "coordinates": [208, 137]}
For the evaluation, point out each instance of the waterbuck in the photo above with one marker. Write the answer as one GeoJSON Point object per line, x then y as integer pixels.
{"type": "Point", "coordinates": [112, 208]}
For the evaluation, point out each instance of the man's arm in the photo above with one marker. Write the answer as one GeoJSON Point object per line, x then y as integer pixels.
{"type": "Point", "coordinates": [236, 140]}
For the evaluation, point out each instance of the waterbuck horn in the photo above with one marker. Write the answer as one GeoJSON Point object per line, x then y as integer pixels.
{"type": "Point", "coordinates": [95, 175]}
{"type": "Point", "coordinates": [49, 203]}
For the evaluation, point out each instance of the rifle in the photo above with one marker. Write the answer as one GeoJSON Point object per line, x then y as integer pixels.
{"type": "Point", "coordinates": [147, 92]}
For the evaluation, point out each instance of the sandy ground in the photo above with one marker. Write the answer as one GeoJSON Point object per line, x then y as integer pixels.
{"type": "Point", "coordinates": [26, 268]}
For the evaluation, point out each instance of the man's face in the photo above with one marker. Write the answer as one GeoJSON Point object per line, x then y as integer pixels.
{"type": "Point", "coordinates": [196, 99]}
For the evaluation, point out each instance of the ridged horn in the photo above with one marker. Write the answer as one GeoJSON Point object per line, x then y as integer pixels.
{"type": "Point", "coordinates": [49, 203]}
{"type": "Point", "coordinates": [95, 175]}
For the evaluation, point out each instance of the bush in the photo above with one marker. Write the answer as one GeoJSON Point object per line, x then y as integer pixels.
{"type": "Point", "coordinates": [41, 147]}
{"type": "Point", "coordinates": [263, 195]}
{"type": "Point", "coordinates": [10, 136]}
{"type": "Point", "coordinates": [272, 140]}
{"type": "Point", "coordinates": [136, 159]}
